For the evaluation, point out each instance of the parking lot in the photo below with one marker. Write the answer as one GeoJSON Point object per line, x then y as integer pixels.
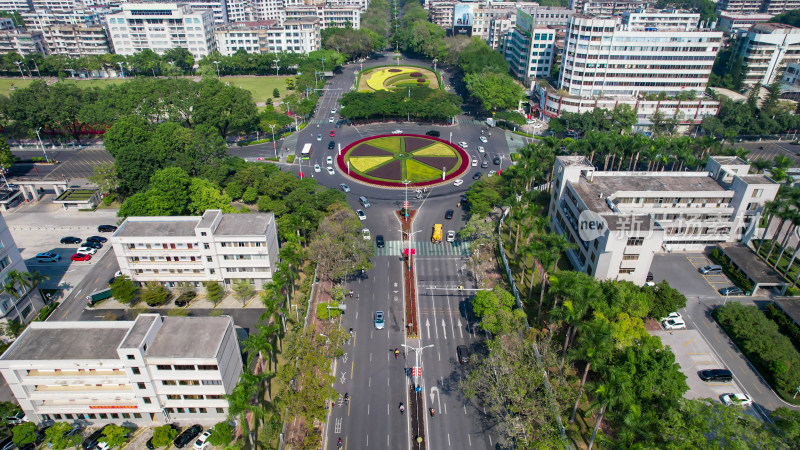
{"type": "Point", "coordinates": [681, 271]}
{"type": "Point", "coordinates": [73, 164]}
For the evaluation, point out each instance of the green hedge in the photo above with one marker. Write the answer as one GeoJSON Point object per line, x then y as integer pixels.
{"type": "Point", "coordinates": [290, 159]}
{"type": "Point", "coordinates": [785, 323]}
{"type": "Point", "coordinates": [735, 275]}
{"type": "Point", "coordinates": [770, 352]}
{"type": "Point", "coordinates": [46, 311]}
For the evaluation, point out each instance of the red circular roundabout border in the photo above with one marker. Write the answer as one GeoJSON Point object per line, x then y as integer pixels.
{"type": "Point", "coordinates": [462, 168]}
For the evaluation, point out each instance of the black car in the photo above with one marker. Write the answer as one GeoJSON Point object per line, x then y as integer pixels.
{"type": "Point", "coordinates": [463, 198]}
{"type": "Point", "coordinates": [731, 290]}
{"type": "Point", "coordinates": [649, 276]}
{"type": "Point", "coordinates": [477, 176]}
{"type": "Point", "coordinates": [187, 436]}
{"type": "Point", "coordinates": [106, 228]}
{"type": "Point", "coordinates": [70, 240]}
{"type": "Point", "coordinates": [99, 239]}
{"type": "Point", "coordinates": [92, 244]}
{"type": "Point", "coordinates": [496, 160]}
{"type": "Point", "coordinates": [331, 145]}
{"type": "Point", "coordinates": [433, 133]}
{"type": "Point", "coordinates": [449, 214]}
{"type": "Point", "coordinates": [463, 354]}
{"type": "Point", "coordinates": [716, 375]}
{"type": "Point", "coordinates": [149, 443]}
{"type": "Point", "coordinates": [379, 241]}
{"type": "Point", "coordinates": [91, 442]}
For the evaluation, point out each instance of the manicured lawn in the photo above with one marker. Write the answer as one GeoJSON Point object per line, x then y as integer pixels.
{"type": "Point", "coordinates": [260, 87]}
{"type": "Point", "coordinates": [379, 78]}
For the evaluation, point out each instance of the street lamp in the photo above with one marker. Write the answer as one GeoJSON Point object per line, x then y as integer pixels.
{"type": "Point", "coordinates": [408, 111]}
{"type": "Point", "coordinates": [434, 64]}
{"type": "Point", "coordinates": [40, 143]}
{"type": "Point", "coordinates": [272, 127]}
{"type": "Point", "coordinates": [323, 64]}
{"type": "Point", "coordinates": [450, 139]}
{"type": "Point", "coordinates": [417, 351]}
{"type": "Point", "coordinates": [405, 203]}
{"type": "Point", "coordinates": [19, 66]}
{"type": "Point", "coordinates": [410, 234]}
{"type": "Point", "coordinates": [277, 67]}
{"type": "Point", "coordinates": [217, 63]}
{"type": "Point", "coordinates": [122, 69]}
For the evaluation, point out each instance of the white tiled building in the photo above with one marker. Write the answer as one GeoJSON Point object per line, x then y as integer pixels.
{"type": "Point", "coordinates": [296, 36]}
{"type": "Point", "coordinates": [160, 27]}
{"type": "Point", "coordinates": [638, 214]}
{"type": "Point", "coordinates": [24, 308]}
{"type": "Point", "coordinates": [765, 50]}
{"type": "Point", "coordinates": [530, 48]}
{"type": "Point", "coordinates": [330, 16]}
{"type": "Point", "coordinates": [757, 6]}
{"type": "Point", "coordinates": [151, 371]}
{"type": "Point", "coordinates": [23, 42]}
{"type": "Point", "coordinates": [735, 22]}
{"type": "Point", "coordinates": [606, 7]}
{"type": "Point", "coordinates": [192, 249]}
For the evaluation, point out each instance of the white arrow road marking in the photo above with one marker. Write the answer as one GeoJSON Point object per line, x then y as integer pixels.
{"type": "Point", "coordinates": [460, 329]}
{"type": "Point", "coordinates": [435, 395]}
{"type": "Point", "coordinates": [444, 328]}
{"type": "Point", "coordinates": [428, 327]}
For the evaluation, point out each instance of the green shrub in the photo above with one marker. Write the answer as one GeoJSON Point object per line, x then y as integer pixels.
{"type": "Point", "coordinates": [785, 323]}
{"type": "Point", "coordinates": [325, 313]}
{"type": "Point", "coordinates": [124, 290]}
{"type": "Point", "coordinates": [163, 436]}
{"type": "Point", "coordinates": [222, 434]}
{"type": "Point", "coordinates": [290, 159]}
{"type": "Point", "coordinates": [46, 311]}
{"type": "Point", "coordinates": [185, 298]}
{"type": "Point", "coordinates": [214, 291]}
{"type": "Point", "coordinates": [154, 294]}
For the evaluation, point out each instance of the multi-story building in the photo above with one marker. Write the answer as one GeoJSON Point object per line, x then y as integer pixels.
{"type": "Point", "coordinates": [160, 27]}
{"type": "Point", "coordinates": [608, 7]}
{"type": "Point", "coordinates": [757, 6]}
{"type": "Point", "coordinates": [270, 9]}
{"type": "Point", "coordinates": [619, 220]}
{"type": "Point", "coordinates": [296, 36]}
{"type": "Point", "coordinates": [734, 22]}
{"type": "Point", "coordinates": [766, 49]}
{"type": "Point", "coordinates": [6, 23]}
{"type": "Point", "coordinates": [77, 40]}
{"type": "Point", "coordinates": [153, 370]}
{"type": "Point", "coordinates": [790, 84]}
{"type": "Point", "coordinates": [441, 12]}
{"type": "Point", "coordinates": [16, 5]}
{"type": "Point", "coordinates": [330, 16]}
{"type": "Point", "coordinates": [42, 20]}
{"type": "Point", "coordinates": [56, 5]}
{"type": "Point", "coordinates": [25, 303]}
{"type": "Point", "coordinates": [180, 250]}
{"type": "Point", "coordinates": [23, 42]}
{"type": "Point", "coordinates": [530, 48]}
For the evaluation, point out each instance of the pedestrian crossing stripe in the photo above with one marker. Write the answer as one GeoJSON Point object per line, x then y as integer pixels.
{"type": "Point", "coordinates": [424, 248]}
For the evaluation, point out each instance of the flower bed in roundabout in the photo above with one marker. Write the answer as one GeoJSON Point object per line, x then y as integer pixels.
{"type": "Point", "coordinates": [387, 160]}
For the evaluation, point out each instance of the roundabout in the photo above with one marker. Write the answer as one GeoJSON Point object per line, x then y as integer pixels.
{"type": "Point", "coordinates": [387, 160]}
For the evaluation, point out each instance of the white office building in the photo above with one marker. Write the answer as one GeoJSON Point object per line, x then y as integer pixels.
{"type": "Point", "coordinates": [160, 27]}
{"type": "Point", "coordinates": [608, 7]}
{"type": "Point", "coordinates": [180, 250]}
{"type": "Point", "coordinates": [530, 47]}
{"type": "Point", "coordinates": [295, 36]}
{"type": "Point", "coordinates": [330, 16]}
{"type": "Point", "coordinates": [23, 306]}
{"type": "Point", "coordinates": [15, 5]}
{"type": "Point", "coordinates": [619, 220]}
{"type": "Point", "coordinates": [765, 50]}
{"type": "Point", "coordinates": [151, 371]}
{"type": "Point", "coordinates": [736, 22]}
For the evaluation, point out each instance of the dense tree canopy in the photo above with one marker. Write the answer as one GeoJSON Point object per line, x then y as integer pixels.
{"type": "Point", "coordinates": [424, 103]}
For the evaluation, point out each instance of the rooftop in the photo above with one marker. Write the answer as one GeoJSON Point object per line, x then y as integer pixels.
{"type": "Point", "coordinates": [189, 337]}
{"type": "Point", "coordinates": [244, 224]}
{"type": "Point", "coordinates": [575, 161]}
{"type": "Point", "coordinates": [728, 160]}
{"type": "Point", "coordinates": [139, 330]}
{"type": "Point", "coordinates": [95, 341]}
{"type": "Point", "coordinates": [142, 227]}
{"type": "Point", "coordinates": [757, 179]}
{"type": "Point", "coordinates": [629, 222]}
{"type": "Point", "coordinates": [753, 266]}
{"type": "Point", "coordinates": [791, 307]}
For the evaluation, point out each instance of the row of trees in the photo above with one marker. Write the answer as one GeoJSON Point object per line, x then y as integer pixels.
{"type": "Point", "coordinates": [785, 208]}
{"type": "Point", "coordinates": [753, 116]}
{"type": "Point", "coordinates": [417, 102]}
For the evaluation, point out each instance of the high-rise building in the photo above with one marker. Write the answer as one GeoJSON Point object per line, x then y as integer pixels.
{"type": "Point", "coordinates": [766, 49]}
{"type": "Point", "coordinates": [160, 27]}
{"type": "Point", "coordinates": [330, 16]}
{"type": "Point", "coordinates": [608, 7]}
{"type": "Point", "coordinates": [153, 370]}
{"type": "Point", "coordinates": [757, 6]}
{"type": "Point", "coordinates": [23, 305]}
{"type": "Point", "coordinates": [176, 250]}
{"type": "Point", "coordinates": [295, 36]}
{"type": "Point", "coordinates": [530, 48]}
{"type": "Point", "coordinates": [23, 42]}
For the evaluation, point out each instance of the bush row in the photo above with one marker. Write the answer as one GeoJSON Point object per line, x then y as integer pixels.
{"type": "Point", "coordinates": [785, 323]}
{"type": "Point", "coordinates": [735, 275]}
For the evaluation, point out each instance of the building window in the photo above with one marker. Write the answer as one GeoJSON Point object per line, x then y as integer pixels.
{"type": "Point", "coordinates": [628, 258]}
{"type": "Point", "coordinates": [184, 367]}
{"type": "Point", "coordinates": [207, 367]}
{"type": "Point", "coordinates": [626, 271]}
{"type": "Point", "coordinates": [213, 397]}
{"type": "Point", "coordinates": [136, 371]}
{"type": "Point", "coordinates": [140, 385]}
{"type": "Point", "coordinates": [173, 397]}
{"type": "Point", "coordinates": [203, 233]}
{"type": "Point", "coordinates": [189, 382]}
{"type": "Point", "coordinates": [757, 193]}
{"type": "Point", "coordinates": [635, 241]}
{"type": "Point", "coordinates": [130, 356]}
{"type": "Point", "coordinates": [147, 400]}
{"type": "Point", "coordinates": [164, 367]}
{"type": "Point", "coordinates": [193, 397]}
{"type": "Point", "coordinates": [220, 410]}
{"type": "Point", "coordinates": [752, 206]}
{"type": "Point", "coordinates": [212, 382]}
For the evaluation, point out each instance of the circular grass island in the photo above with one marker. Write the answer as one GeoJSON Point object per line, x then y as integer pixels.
{"type": "Point", "coordinates": [383, 78]}
{"type": "Point", "coordinates": [387, 160]}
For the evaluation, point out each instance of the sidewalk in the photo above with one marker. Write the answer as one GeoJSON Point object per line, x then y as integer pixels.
{"type": "Point", "coordinates": [199, 302]}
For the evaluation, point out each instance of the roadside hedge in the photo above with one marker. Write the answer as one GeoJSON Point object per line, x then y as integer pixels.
{"type": "Point", "coordinates": [785, 323]}
{"type": "Point", "coordinates": [772, 353]}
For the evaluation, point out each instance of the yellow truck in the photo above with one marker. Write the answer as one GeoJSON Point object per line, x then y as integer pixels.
{"type": "Point", "coordinates": [436, 238]}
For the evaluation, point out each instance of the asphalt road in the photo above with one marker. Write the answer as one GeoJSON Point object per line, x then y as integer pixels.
{"type": "Point", "coordinates": [72, 308]}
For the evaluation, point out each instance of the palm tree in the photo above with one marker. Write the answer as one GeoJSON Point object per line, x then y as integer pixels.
{"type": "Point", "coordinates": [549, 252]}
{"type": "Point", "coordinates": [571, 314]}
{"type": "Point", "coordinates": [9, 287]}
{"type": "Point", "coordinates": [259, 343]}
{"type": "Point", "coordinates": [794, 218]}
{"type": "Point", "coordinates": [594, 346]}
{"type": "Point", "coordinates": [769, 210]}
{"type": "Point", "coordinates": [614, 390]}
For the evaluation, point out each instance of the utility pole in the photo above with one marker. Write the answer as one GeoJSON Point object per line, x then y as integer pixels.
{"type": "Point", "coordinates": [217, 63]}
{"type": "Point", "coordinates": [121, 68]}
{"type": "Point", "coordinates": [19, 66]}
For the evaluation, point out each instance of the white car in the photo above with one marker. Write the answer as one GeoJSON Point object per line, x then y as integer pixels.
{"type": "Point", "coordinates": [365, 234]}
{"type": "Point", "coordinates": [737, 399]}
{"type": "Point", "coordinates": [674, 324]}
{"type": "Point", "coordinates": [333, 110]}
{"type": "Point", "coordinates": [463, 144]}
{"type": "Point", "coordinates": [319, 137]}
{"type": "Point", "coordinates": [330, 170]}
{"type": "Point", "coordinates": [451, 236]}
{"type": "Point", "coordinates": [86, 251]}
{"type": "Point", "coordinates": [672, 315]}
{"type": "Point", "coordinates": [397, 132]}
{"type": "Point", "coordinates": [330, 119]}
{"type": "Point", "coordinates": [481, 149]}
{"type": "Point", "coordinates": [537, 125]}
{"type": "Point", "coordinates": [458, 182]}
{"type": "Point", "coordinates": [492, 173]}
{"type": "Point", "coordinates": [202, 442]}
{"type": "Point", "coordinates": [361, 215]}
{"type": "Point", "coordinates": [483, 139]}
{"type": "Point", "coordinates": [329, 160]}
{"type": "Point", "coordinates": [474, 162]}
{"type": "Point", "coordinates": [317, 168]}
{"type": "Point", "coordinates": [530, 121]}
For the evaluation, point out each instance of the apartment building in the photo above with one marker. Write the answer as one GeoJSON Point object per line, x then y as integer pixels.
{"type": "Point", "coordinates": [756, 6]}
{"type": "Point", "coordinates": [330, 16]}
{"type": "Point", "coordinates": [608, 7]}
{"type": "Point", "coordinates": [619, 219]}
{"type": "Point", "coordinates": [530, 48]}
{"type": "Point", "coordinates": [6, 23]}
{"type": "Point", "coordinates": [23, 42]}
{"type": "Point", "coordinates": [296, 36]}
{"type": "Point", "coordinates": [42, 20]}
{"type": "Point", "coordinates": [176, 250]}
{"type": "Point", "coordinates": [160, 27]}
{"type": "Point", "coordinates": [735, 22]}
{"type": "Point", "coordinates": [790, 83]}
{"type": "Point", "coordinates": [24, 305]}
{"type": "Point", "coordinates": [766, 49]}
{"type": "Point", "coordinates": [76, 41]}
{"type": "Point", "coordinates": [15, 5]}
{"type": "Point", "coordinates": [441, 12]}
{"type": "Point", "coordinates": [150, 371]}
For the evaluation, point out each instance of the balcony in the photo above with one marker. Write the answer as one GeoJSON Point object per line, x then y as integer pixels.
{"type": "Point", "coordinates": [52, 373]}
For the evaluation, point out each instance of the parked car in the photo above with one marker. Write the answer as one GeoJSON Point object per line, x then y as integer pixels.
{"type": "Point", "coordinates": [492, 173]}
{"type": "Point", "coordinates": [92, 244]}
{"type": "Point", "coordinates": [187, 436]}
{"type": "Point", "coordinates": [379, 241]}
{"type": "Point", "coordinates": [70, 240]}
{"type": "Point", "coordinates": [379, 321]}
{"type": "Point", "coordinates": [731, 290]}
{"type": "Point", "coordinates": [202, 442]}
{"type": "Point", "coordinates": [93, 439]}
{"type": "Point", "coordinates": [463, 354]}
{"type": "Point", "coordinates": [713, 269]}
{"type": "Point", "coordinates": [674, 324]}
{"type": "Point", "coordinates": [7, 444]}
{"type": "Point", "coordinates": [98, 239]}
{"type": "Point", "coordinates": [365, 234]}
{"type": "Point", "coordinates": [672, 315]}
{"type": "Point", "coordinates": [106, 228]}
{"type": "Point", "coordinates": [17, 418]}
{"type": "Point", "coordinates": [48, 257]}
{"type": "Point", "coordinates": [397, 132]}
{"type": "Point", "coordinates": [361, 215]}
{"type": "Point", "coordinates": [86, 251]}
{"type": "Point", "coordinates": [716, 375]}
{"type": "Point", "coordinates": [736, 399]}
{"type": "Point", "coordinates": [81, 257]}
{"type": "Point", "coordinates": [433, 133]}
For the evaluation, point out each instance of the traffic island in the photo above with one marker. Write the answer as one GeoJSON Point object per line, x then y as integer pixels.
{"type": "Point", "coordinates": [416, 407]}
{"type": "Point", "coordinates": [412, 324]}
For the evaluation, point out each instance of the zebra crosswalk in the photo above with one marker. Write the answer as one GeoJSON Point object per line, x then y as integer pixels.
{"type": "Point", "coordinates": [425, 248]}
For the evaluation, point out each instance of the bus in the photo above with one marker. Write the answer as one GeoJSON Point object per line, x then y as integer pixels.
{"type": "Point", "coordinates": [306, 153]}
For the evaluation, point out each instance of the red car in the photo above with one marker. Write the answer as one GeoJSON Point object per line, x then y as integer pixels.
{"type": "Point", "coordinates": [80, 257]}
{"type": "Point", "coordinates": [332, 133]}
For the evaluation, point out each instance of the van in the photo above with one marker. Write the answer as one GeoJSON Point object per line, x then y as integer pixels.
{"type": "Point", "coordinates": [48, 257]}
{"type": "Point", "coordinates": [713, 269]}
{"type": "Point", "coordinates": [364, 201]}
